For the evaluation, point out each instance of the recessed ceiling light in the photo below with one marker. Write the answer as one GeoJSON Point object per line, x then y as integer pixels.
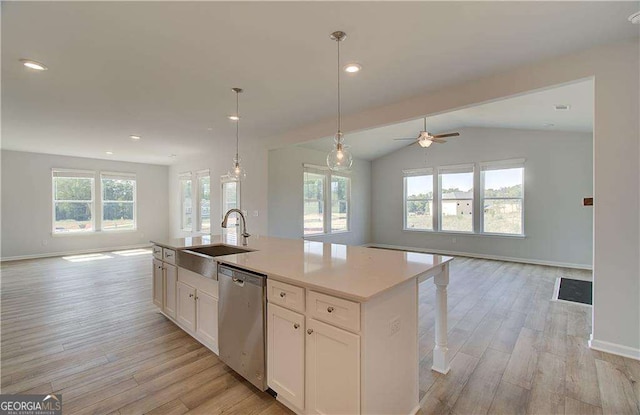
{"type": "Point", "coordinates": [109, 152]}
{"type": "Point", "coordinates": [135, 137]}
{"type": "Point", "coordinates": [352, 67]}
{"type": "Point", "coordinates": [209, 129]}
{"type": "Point", "coordinates": [562, 107]}
{"type": "Point", "coordinates": [34, 65]}
{"type": "Point", "coordinates": [172, 156]}
{"type": "Point", "coordinates": [233, 117]}
{"type": "Point", "coordinates": [549, 125]}
{"type": "Point", "coordinates": [635, 18]}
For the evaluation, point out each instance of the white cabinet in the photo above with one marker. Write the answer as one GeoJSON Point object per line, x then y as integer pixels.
{"type": "Point", "coordinates": [186, 308]}
{"type": "Point", "coordinates": [207, 319]}
{"type": "Point", "coordinates": [285, 345]}
{"type": "Point", "coordinates": [170, 281]}
{"type": "Point", "coordinates": [158, 286]}
{"type": "Point", "coordinates": [333, 370]}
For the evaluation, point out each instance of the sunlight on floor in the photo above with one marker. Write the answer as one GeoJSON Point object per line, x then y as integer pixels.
{"type": "Point", "coordinates": [86, 257]}
{"type": "Point", "coordinates": [133, 252]}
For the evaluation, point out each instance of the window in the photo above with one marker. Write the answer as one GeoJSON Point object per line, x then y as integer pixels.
{"type": "Point", "coordinates": [314, 185]}
{"type": "Point", "coordinates": [204, 201]}
{"type": "Point", "coordinates": [456, 198]}
{"type": "Point", "coordinates": [118, 201]}
{"type": "Point", "coordinates": [418, 199]}
{"type": "Point", "coordinates": [73, 201]}
{"type": "Point", "coordinates": [326, 201]}
{"type": "Point", "coordinates": [340, 203]}
{"type": "Point", "coordinates": [186, 202]}
{"type": "Point", "coordinates": [230, 198]}
{"type": "Point", "coordinates": [502, 197]}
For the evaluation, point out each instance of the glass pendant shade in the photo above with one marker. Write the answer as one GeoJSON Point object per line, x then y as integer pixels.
{"type": "Point", "coordinates": [237, 172]}
{"type": "Point", "coordinates": [340, 158]}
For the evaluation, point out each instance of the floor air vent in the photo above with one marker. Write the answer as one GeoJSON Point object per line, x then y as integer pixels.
{"type": "Point", "coordinates": [573, 291]}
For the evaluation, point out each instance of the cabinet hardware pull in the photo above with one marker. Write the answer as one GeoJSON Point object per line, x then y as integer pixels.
{"type": "Point", "coordinates": [296, 326]}
{"type": "Point", "coordinates": [282, 294]}
{"type": "Point", "coordinates": [196, 298]}
{"type": "Point", "coordinates": [329, 309]}
{"type": "Point", "coordinates": [190, 295]}
{"type": "Point", "coordinates": [309, 331]}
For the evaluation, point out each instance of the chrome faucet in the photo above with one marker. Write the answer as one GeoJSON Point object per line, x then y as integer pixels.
{"type": "Point", "coordinates": [244, 233]}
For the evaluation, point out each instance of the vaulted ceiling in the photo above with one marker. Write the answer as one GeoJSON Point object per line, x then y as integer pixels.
{"type": "Point", "coordinates": [163, 70]}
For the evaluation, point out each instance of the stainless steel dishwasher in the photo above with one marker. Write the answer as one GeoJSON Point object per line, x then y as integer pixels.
{"type": "Point", "coordinates": [241, 323]}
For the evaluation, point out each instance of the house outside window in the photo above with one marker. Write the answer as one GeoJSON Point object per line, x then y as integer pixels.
{"type": "Point", "coordinates": [204, 201]}
{"type": "Point", "coordinates": [230, 198]}
{"type": "Point", "coordinates": [456, 198]}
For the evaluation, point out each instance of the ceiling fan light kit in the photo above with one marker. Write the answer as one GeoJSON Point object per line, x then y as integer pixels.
{"type": "Point", "coordinates": [425, 138]}
{"type": "Point", "coordinates": [340, 158]}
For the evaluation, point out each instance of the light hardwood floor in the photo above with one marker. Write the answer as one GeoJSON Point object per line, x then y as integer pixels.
{"type": "Point", "coordinates": [88, 330]}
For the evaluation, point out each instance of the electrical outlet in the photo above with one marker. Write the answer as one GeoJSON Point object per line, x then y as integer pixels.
{"type": "Point", "coordinates": [394, 326]}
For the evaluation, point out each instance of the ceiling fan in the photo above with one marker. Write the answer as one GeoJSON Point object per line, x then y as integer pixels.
{"type": "Point", "coordinates": [425, 139]}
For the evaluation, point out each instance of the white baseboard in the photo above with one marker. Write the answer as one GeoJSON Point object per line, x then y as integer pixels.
{"type": "Point", "coordinates": [484, 256]}
{"type": "Point", "coordinates": [613, 348]}
{"type": "Point", "coordinates": [80, 252]}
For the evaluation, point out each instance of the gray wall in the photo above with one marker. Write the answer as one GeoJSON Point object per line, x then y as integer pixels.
{"type": "Point", "coordinates": [558, 174]}
{"type": "Point", "coordinates": [285, 196]}
{"type": "Point", "coordinates": [27, 205]}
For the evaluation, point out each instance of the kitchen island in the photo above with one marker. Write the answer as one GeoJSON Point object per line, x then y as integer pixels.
{"type": "Point", "coordinates": [342, 321]}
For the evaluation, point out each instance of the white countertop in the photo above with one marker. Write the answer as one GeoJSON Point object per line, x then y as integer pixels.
{"type": "Point", "coordinates": [353, 272]}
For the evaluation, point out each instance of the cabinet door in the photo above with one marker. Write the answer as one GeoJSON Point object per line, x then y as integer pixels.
{"type": "Point", "coordinates": [186, 306]}
{"type": "Point", "coordinates": [285, 351]}
{"type": "Point", "coordinates": [158, 289]}
{"type": "Point", "coordinates": [207, 319]}
{"type": "Point", "coordinates": [333, 370]}
{"type": "Point", "coordinates": [170, 280]}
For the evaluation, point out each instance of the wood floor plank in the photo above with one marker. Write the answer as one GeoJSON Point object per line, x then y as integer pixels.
{"type": "Point", "coordinates": [509, 400]}
{"type": "Point", "coordinates": [547, 388]}
{"type": "Point", "coordinates": [524, 359]}
{"type": "Point", "coordinates": [174, 407]}
{"type": "Point", "coordinates": [443, 394]}
{"type": "Point", "coordinates": [581, 365]}
{"type": "Point", "coordinates": [575, 407]}
{"type": "Point", "coordinates": [480, 389]}
{"type": "Point", "coordinates": [616, 390]}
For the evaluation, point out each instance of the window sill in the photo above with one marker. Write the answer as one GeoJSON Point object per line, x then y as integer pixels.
{"type": "Point", "coordinates": [318, 235]}
{"type": "Point", "coordinates": [91, 233]}
{"type": "Point", "coordinates": [456, 233]}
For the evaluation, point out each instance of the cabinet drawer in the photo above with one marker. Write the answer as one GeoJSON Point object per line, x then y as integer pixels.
{"type": "Point", "coordinates": [333, 310]}
{"type": "Point", "coordinates": [169, 255]}
{"type": "Point", "coordinates": [157, 252]}
{"type": "Point", "coordinates": [286, 295]}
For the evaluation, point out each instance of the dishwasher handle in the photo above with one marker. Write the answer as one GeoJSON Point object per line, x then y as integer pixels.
{"type": "Point", "coordinates": [238, 281]}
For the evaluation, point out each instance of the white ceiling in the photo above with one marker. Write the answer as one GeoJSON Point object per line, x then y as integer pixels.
{"type": "Point", "coordinates": [164, 70]}
{"type": "Point", "coordinates": [534, 111]}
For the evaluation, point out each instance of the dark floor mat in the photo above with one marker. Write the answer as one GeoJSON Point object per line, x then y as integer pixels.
{"type": "Point", "coordinates": [577, 291]}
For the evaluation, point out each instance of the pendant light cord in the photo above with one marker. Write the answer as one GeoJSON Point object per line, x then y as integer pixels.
{"type": "Point", "coordinates": [338, 42]}
{"type": "Point", "coordinates": [237, 125]}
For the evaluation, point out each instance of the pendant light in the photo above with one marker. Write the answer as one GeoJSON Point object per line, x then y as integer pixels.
{"type": "Point", "coordinates": [339, 159]}
{"type": "Point", "coordinates": [237, 172]}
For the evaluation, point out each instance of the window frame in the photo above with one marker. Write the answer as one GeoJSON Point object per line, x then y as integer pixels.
{"type": "Point", "coordinates": [134, 202]}
{"type": "Point", "coordinates": [201, 174]}
{"type": "Point", "coordinates": [327, 201]}
{"type": "Point", "coordinates": [457, 169]}
{"type": "Point", "coordinates": [187, 176]}
{"type": "Point", "coordinates": [502, 165]}
{"type": "Point", "coordinates": [72, 173]}
{"type": "Point", "coordinates": [427, 171]}
{"type": "Point", "coordinates": [224, 180]}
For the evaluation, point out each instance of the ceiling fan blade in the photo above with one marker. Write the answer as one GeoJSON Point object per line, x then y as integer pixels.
{"type": "Point", "coordinates": [409, 145]}
{"type": "Point", "coordinates": [403, 139]}
{"type": "Point", "coordinates": [438, 140]}
{"type": "Point", "coordinates": [445, 135]}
